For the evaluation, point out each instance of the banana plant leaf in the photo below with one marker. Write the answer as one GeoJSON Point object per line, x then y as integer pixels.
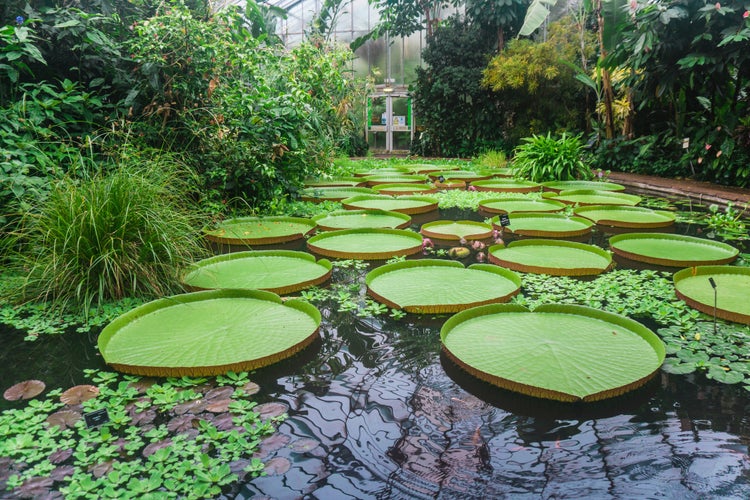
{"type": "Point", "coordinates": [545, 225]}
{"type": "Point", "coordinates": [402, 188]}
{"type": "Point", "coordinates": [375, 180]}
{"type": "Point", "coordinates": [520, 204]}
{"type": "Point", "coordinates": [208, 333]}
{"type": "Point", "coordinates": [277, 271]}
{"type": "Point", "coordinates": [366, 244]}
{"type": "Point", "coordinates": [563, 352]}
{"type": "Point", "coordinates": [410, 205]}
{"type": "Point", "coordinates": [334, 193]}
{"type": "Point", "coordinates": [361, 219]}
{"type": "Point", "coordinates": [260, 230]}
{"type": "Point", "coordinates": [558, 186]}
{"type": "Point", "coordinates": [455, 230]}
{"type": "Point", "coordinates": [506, 185]}
{"type": "Point", "coordinates": [432, 286]}
{"type": "Point", "coordinates": [672, 250]}
{"type": "Point", "coordinates": [694, 286]}
{"type": "Point", "coordinates": [623, 216]}
{"type": "Point", "coordinates": [553, 257]}
{"type": "Point", "coordinates": [593, 197]}
{"type": "Point", "coordinates": [336, 182]}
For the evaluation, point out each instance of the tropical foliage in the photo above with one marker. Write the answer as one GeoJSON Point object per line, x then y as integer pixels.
{"type": "Point", "coordinates": [545, 158]}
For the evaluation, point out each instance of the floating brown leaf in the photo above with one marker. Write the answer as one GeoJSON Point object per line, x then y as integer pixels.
{"type": "Point", "coordinates": [250, 388]}
{"type": "Point", "coordinates": [78, 394]}
{"type": "Point", "coordinates": [64, 419]}
{"type": "Point", "coordinates": [277, 465]}
{"type": "Point", "coordinates": [154, 447]}
{"type": "Point", "coordinates": [271, 410]}
{"type": "Point", "coordinates": [274, 442]}
{"type": "Point", "coordinates": [223, 392]}
{"type": "Point", "coordinates": [60, 456]}
{"type": "Point", "coordinates": [219, 405]}
{"type": "Point", "coordinates": [24, 390]}
{"type": "Point", "coordinates": [304, 445]}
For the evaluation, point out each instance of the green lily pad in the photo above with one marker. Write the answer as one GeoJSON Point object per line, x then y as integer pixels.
{"type": "Point", "coordinates": [333, 193]}
{"type": "Point", "coordinates": [624, 216]}
{"type": "Point", "coordinates": [725, 375]}
{"type": "Point", "coordinates": [375, 180]}
{"type": "Point", "coordinates": [561, 352]}
{"type": "Point", "coordinates": [672, 250]}
{"type": "Point", "coordinates": [260, 230]}
{"type": "Point", "coordinates": [450, 184]}
{"type": "Point", "coordinates": [383, 171]}
{"type": "Point", "coordinates": [426, 168]}
{"type": "Point", "coordinates": [593, 197]}
{"type": "Point", "coordinates": [464, 175]}
{"type": "Point", "coordinates": [355, 219]}
{"type": "Point", "coordinates": [732, 291]}
{"type": "Point", "coordinates": [455, 230]}
{"type": "Point", "coordinates": [431, 286]}
{"type": "Point", "coordinates": [208, 333]}
{"type": "Point", "coordinates": [510, 205]}
{"type": "Point", "coordinates": [336, 182]}
{"type": "Point", "coordinates": [558, 186]}
{"type": "Point", "coordinates": [278, 271]}
{"type": "Point", "coordinates": [676, 366]}
{"type": "Point", "coordinates": [366, 244]}
{"type": "Point", "coordinates": [506, 185]}
{"type": "Point", "coordinates": [410, 205]}
{"type": "Point", "coordinates": [553, 257]}
{"type": "Point", "coordinates": [545, 225]}
{"type": "Point", "coordinates": [399, 188]}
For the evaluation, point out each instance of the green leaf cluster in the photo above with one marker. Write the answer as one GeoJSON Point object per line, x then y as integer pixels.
{"type": "Point", "coordinates": [545, 158]}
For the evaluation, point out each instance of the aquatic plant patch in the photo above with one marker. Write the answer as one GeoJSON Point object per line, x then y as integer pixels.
{"type": "Point", "coordinates": [593, 197]}
{"type": "Point", "coordinates": [410, 205]}
{"type": "Point", "coordinates": [464, 175]}
{"type": "Point", "coordinates": [336, 182]}
{"type": "Point", "coordinates": [362, 219]}
{"type": "Point", "coordinates": [366, 244]}
{"type": "Point", "coordinates": [624, 216]}
{"type": "Point", "coordinates": [208, 333]}
{"type": "Point", "coordinates": [558, 186]}
{"type": "Point", "coordinates": [260, 230]}
{"type": "Point", "coordinates": [561, 352]}
{"type": "Point", "coordinates": [725, 287]}
{"type": "Point", "coordinates": [506, 185]}
{"type": "Point", "coordinates": [544, 225]}
{"type": "Point", "coordinates": [277, 271]}
{"type": "Point", "coordinates": [673, 250]}
{"type": "Point", "coordinates": [333, 193]}
{"type": "Point", "coordinates": [440, 286]}
{"type": "Point", "coordinates": [375, 180]}
{"type": "Point", "coordinates": [555, 257]}
{"type": "Point", "coordinates": [510, 205]}
{"type": "Point", "coordinates": [400, 188]}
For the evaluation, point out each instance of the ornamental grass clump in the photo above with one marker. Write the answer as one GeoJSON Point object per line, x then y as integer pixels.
{"type": "Point", "coordinates": [544, 158]}
{"type": "Point", "coordinates": [126, 233]}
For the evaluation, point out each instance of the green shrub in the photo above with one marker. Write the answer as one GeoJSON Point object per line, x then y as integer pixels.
{"type": "Point", "coordinates": [123, 234]}
{"type": "Point", "coordinates": [543, 158]}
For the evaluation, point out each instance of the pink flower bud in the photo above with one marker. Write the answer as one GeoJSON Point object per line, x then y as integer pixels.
{"type": "Point", "coordinates": [718, 6]}
{"type": "Point", "coordinates": [745, 14]}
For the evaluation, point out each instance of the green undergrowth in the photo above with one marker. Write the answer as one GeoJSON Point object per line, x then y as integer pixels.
{"type": "Point", "coordinates": [162, 439]}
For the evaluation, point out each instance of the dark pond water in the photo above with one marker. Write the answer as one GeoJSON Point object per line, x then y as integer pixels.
{"type": "Point", "coordinates": [394, 419]}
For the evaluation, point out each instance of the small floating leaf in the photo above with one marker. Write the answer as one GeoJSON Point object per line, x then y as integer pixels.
{"type": "Point", "coordinates": [24, 390]}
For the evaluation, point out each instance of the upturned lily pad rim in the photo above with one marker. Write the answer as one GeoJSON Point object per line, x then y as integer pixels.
{"type": "Point", "coordinates": [708, 308]}
{"type": "Point", "coordinates": [480, 230]}
{"type": "Point", "coordinates": [325, 264]}
{"type": "Point", "coordinates": [313, 244]}
{"type": "Point", "coordinates": [662, 218]}
{"type": "Point", "coordinates": [593, 197]}
{"type": "Point", "coordinates": [553, 205]}
{"type": "Point", "coordinates": [283, 238]}
{"type": "Point", "coordinates": [403, 219]}
{"type": "Point", "coordinates": [670, 260]}
{"type": "Point", "coordinates": [207, 368]}
{"type": "Point", "coordinates": [431, 307]}
{"type": "Point", "coordinates": [346, 181]}
{"type": "Point", "coordinates": [576, 226]}
{"type": "Point", "coordinates": [376, 180]}
{"type": "Point", "coordinates": [333, 193]}
{"type": "Point", "coordinates": [558, 186]}
{"type": "Point", "coordinates": [651, 339]}
{"type": "Point", "coordinates": [397, 188]}
{"type": "Point", "coordinates": [506, 185]}
{"type": "Point", "coordinates": [553, 271]}
{"type": "Point", "coordinates": [429, 204]}
{"type": "Point", "coordinates": [464, 175]}
{"type": "Point", "coordinates": [382, 171]}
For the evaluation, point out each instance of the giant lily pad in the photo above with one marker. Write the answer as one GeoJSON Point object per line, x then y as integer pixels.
{"type": "Point", "coordinates": [208, 333]}
{"type": "Point", "coordinates": [431, 286]}
{"type": "Point", "coordinates": [383, 171]}
{"type": "Point", "coordinates": [506, 185]}
{"type": "Point", "coordinates": [519, 204]}
{"type": "Point", "coordinates": [332, 193]}
{"type": "Point", "coordinates": [336, 182]}
{"type": "Point", "coordinates": [672, 250]}
{"type": "Point", "coordinates": [558, 186]}
{"type": "Point", "coordinates": [411, 205]}
{"type": "Point", "coordinates": [623, 216]}
{"type": "Point", "coordinates": [561, 352]}
{"type": "Point", "coordinates": [402, 188]}
{"type": "Point", "coordinates": [278, 271]}
{"type": "Point", "coordinates": [544, 225]}
{"type": "Point", "coordinates": [366, 244]}
{"type": "Point", "coordinates": [361, 219]}
{"type": "Point", "coordinates": [260, 230]}
{"type": "Point", "coordinates": [427, 168]}
{"type": "Point", "coordinates": [554, 257]}
{"type": "Point", "coordinates": [376, 180]}
{"type": "Point", "coordinates": [455, 230]}
{"type": "Point", "coordinates": [464, 175]}
{"type": "Point", "coordinates": [732, 290]}
{"type": "Point", "coordinates": [593, 197]}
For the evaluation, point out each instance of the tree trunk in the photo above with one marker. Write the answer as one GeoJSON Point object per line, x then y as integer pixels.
{"type": "Point", "coordinates": [609, 94]}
